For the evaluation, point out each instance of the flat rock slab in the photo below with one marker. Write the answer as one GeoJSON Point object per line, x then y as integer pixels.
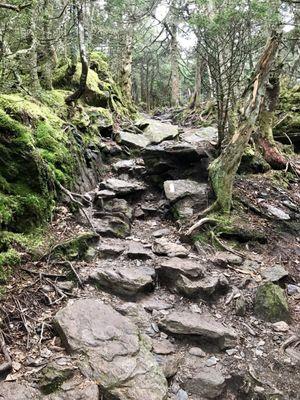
{"type": "Point", "coordinates": [112, 226]}
{"type": "Point", "coordinates": [278, 213]}
{"type": "Point", "coordinates": [200, 381]}
{"type": "Point", "coordinates": [128, 281]}
{"type": "Point", "coordinates": [111, 248]}
{"type": "Point", "coordinates": [122, 187]}
{"type": "Point", "coordinates": [178, 189]}
{"type": "Point", "coordinates": [133, 140]}
{"type": "Point", "coordinates": [198, 287]}
{"type": "Point", "coordinates": [115, 355]}
{"type": "Point", "coordinates": [157, 131]}
{"type": "Point", "coordinates": [137, 251]}
{"type": "Point", "coordinates": [274, 274]}
{"type": "Point", "coordinates": [193, 135]}
{"type": "Point", "coordinates": [170, 268]}
{"type": "Point", "coordinates": [188, 323]}
{"type": "Point", "coordinates": [131, 165]}
{"type": "Point", "coordinates": [163, 247]}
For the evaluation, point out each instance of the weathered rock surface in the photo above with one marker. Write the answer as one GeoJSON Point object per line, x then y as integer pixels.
{"type": "Point", "coordinates": [74, 390]}
{"type": "Point", "coordinates": [163, 247]}
{"type": "Point", "coordinates": [169, 364]}
{"type": "Point", "coordinates": [131, 165]}
{"type": "Point", "coordinates": [111, 225]}
{"type": "Point", "coordinates": [178, 189]}
{"type": "Point", "coordinates": [122, 187]}
{"type": "Point", "coordinates": [274, 274]}
{"type": "Point", "coordinates": [157, 131]}
{"type": "Point", "coordinates": [124, 280]}
{"type": "Point", "coordinates": [200, 381]}
{"type": "Point", "coordinates": [137, 251]}
{"type": "Point", "coordinates": [132, 140]}
{"type": "Point", "coordinates": [170, 268]}
{"type": "Point", "coordinates": [278, 213]}
{"type": "Point", "coordinates": [222, 258]}
{"type": "Point", "coordinates": [271, 304]}
{"type": "Point", "coordinates": [18, 391]}
{"type": "Point", "coordinates": [199, 287]}
{"type": "Point", "coordinates": [188, 323]}
{"type": "Point", "coordinates": [115, 354]}
{"type": "Point", "coordinates": [111, 248]}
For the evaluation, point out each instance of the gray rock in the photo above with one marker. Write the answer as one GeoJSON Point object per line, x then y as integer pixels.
{"type": "Point", "coordinates": [118, 206]}
{"type": "Point", "coordinates": [151, 304]}
{"type": "Point", "coordinates": [163, 247]}
{"type": "Point", "coordinates": [169, 364]}
{"type": "Point", "coordinates": [188, 323]}
{"type": "Point", "coordinates": [274, 274]}
{"type": "Point", "coordinates": [157, 131]}
{"type": "Point", "coordinates": [137, 251]}
{"type": "Point", "coordinates": [112, 248]}
{"type": "Point", "coordinates": [196, 351]}
{"type": "Point", "coordinates": [178, 189]}
{"type": "Point", "coordinates": [222, 258]}
{"type": "Point", "coordinates": [161, 232]}
{"type": "Point", "coordinates": [122, 187]}
{"type": "Point", "coordinates": [112, 226]}
{"type": "Point", "coordinates": [131, 165]}
{"type": "Point", "coordinates": [182, 395]}
{"type": "Point", "coordinates": [292, 289]}
{"type": "Point", "coordinates": [163, 346]}
{"type": "Point", "coordinates": [278, 212]}
{"type": "Point", "coordinates": [199, 287]}
{"type": "Point", "coordinates": [18, 391]}
{"type": "Point", "coordinates": [76, 389]}
{"type": "Point", "coordinates": [271, 304]}
{"type": "Point", "coordinates": [172, 267]}
{"type": "Point", "coordinates": [201, 381]}
{"type": "Point", "coordinates": [132, 140]}
{"type": "Point", "coordinates": [128, 281]}
{"type": "Point", "coordinates": [240, 306]}
{"type": "Point", "coordinates": [113, 351]}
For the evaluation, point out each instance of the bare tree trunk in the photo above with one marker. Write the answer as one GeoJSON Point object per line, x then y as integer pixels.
{"type": "Point", "coordinates": [83, 57]}
{"type": "Point", "coordinates": [49, 50]}
{"type": "Point", "coordinates": [73, 41]}
{"type": "Point", "coordinates": [126, 70]}
{"type": "Point", "coordinates": [174, 67]}
{"type": "Point", "coordinates": [265, 139]}
{"type": "Point", "coordinates": [34, 82]}
{"type": "Point", "coordinates": [196, 98]}
{"type": "Point", "coordinates": [222, 171]}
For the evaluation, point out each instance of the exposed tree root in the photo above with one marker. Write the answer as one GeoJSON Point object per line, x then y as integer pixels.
{"type": "Point", "coordinates": [227, 248]}
{"type": "Point", "coordinates": [7, 365]}
{"type": "Point", "coordinates": [200, 223]}
{"type": "Point", "coordinates": [78, 203]}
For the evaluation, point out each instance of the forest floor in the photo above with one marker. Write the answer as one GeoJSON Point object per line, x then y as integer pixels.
{"type": "Point", "coordinates": [144, 268]}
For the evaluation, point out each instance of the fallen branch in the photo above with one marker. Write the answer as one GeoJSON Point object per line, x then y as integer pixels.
{"type": "Point", "coordinates": [69, 264]}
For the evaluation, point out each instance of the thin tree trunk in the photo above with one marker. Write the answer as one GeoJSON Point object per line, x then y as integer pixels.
{"type": "Point", "coordinates": [34, 82]}
{"type": "Point", "coordinates": [174, 67]}
{"type": "Point", "coordinates": [126, 70]}
{"type": "Point", "coordinates": [222, 171]}
{"type": "Point", "coordinates": [83, 58]}
{"type": "Point", "coordinates": [196, 98]}
{"type": "Point", "coordinates": [49, 50]}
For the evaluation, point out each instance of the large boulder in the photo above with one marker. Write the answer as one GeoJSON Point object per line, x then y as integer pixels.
{"type": "Point", "coordinates": [271, 304]}
{"type": "Point", "coordinates": [111, 351]}
{"type": "Point", "coordinates": [198, 325]}
{"type": "Point", "coordinates": [156, 131]}
{"type": "Point", "coordinates": [122, 187]}
{"type": "Point", "coordinates": [178, 189]}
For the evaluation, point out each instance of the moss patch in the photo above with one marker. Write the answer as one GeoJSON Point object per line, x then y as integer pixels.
{"type": "Point", "coordinates": [271, 304]}
{"type": "Point", "coordinates": [76, 248]}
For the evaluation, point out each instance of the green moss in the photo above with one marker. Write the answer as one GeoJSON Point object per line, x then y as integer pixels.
{"type": "Point", "coordinates": [271, 304]}
{"type": "Point", "coordinates": [53, 377]}
{"type": "Point", "coordinates": [8, 259]}
{"type": "Point", "coordinates": [75, 248]}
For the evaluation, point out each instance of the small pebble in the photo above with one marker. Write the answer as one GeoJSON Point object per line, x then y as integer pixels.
{"type": "Point", "coordinates": [280, 326]}
{"type": "Point", "coordinates": [196, 351]}
{"type": "Point", "coordinates": [211, 361]}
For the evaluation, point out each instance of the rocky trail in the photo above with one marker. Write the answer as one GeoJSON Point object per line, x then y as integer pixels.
{"type": "Point", "coordinates": [136, 311]}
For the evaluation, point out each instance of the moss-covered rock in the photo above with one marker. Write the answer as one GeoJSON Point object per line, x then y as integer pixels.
{"type": "Point", "coordinates": [53, 376]}
{"type": "Point", "coordinates": [76, 248]}
{"type": "Point", "coordinates": [271, 304]}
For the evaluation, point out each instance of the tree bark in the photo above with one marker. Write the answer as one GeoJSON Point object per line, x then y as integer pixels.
{"type": "Point", "coordinates": [83, 58]}
{"type": "Point", "coordinates": [265, 138]}
{"type": "Point", "coordinates": [174, 67]}
{"type": "Point", "coordinates": [34, 81]}
{"type": "Point", "coordinates": [126, 69]}
{"type": "Point", "coordinates": [196, 98]}
{"type": "Point", "coordinates": [222, 171]}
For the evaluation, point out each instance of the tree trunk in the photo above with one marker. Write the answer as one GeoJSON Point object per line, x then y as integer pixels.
{"type": "Point", "coordinates": [49, 50]}
{"type": "Point", "coordinates": [174, 67]}
{"type": "Point", "coordinates": [34, 82]}
{"type": "Point", "coordinates": [73, 41]}
{"type": "Point", "coordinates": [196, 98]}
{"type": "Point", "coordinates": [83, 58]}
{"type": "Point", "coordinates": [265, 138]}
{"type": "Point", "coordinates": [222, 171]}
{"type": "Point", "coordinates": [126, 70]}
